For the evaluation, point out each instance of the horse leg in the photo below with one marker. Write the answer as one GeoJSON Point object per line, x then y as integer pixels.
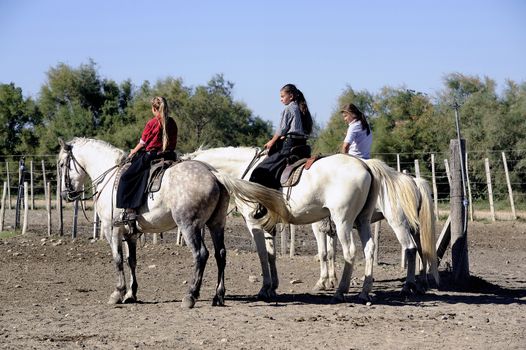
{"type": "Point", "coordinates": [270, 246]}
{"type": "Point", "coordinates": [403, 234]}
{"type": "Point", "coordinates": [321, 241]}
{"type": "Point", "coordinates": [131, 243]}
{"type": "Point", "coordinates": [421, 281]}
{"type": "Point", "coordinates": [116, 251]}
{"type": "Point", "coordinates": [331, 258]}
{"type": "Point", "coordinates": [363, 224]}
{"type": "Point", "coordinates": [344, 231]}
{"type": "Point", "coordinates": [266, 292]}
{"type": "Point", "coordinates": [195, 241]}
{"type": "Point", "coordinates": [218, 237]}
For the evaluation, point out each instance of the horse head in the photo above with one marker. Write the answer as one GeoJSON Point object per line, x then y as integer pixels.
{"type": "Point", "coordinates": [72, 173]}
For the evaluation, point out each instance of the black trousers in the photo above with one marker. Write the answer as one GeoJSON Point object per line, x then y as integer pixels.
{"type": "Point", "coordinates": [268, 172]}
{"type": "Point", "coordinates": [133, 182]}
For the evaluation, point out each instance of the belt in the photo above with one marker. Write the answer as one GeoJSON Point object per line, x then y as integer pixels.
{"type": "Point", "coordinates": [296, 137]}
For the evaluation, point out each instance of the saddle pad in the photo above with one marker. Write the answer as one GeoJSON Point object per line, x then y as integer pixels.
{"type": "Point", "coordinates": [157, 169]}
{"type": "Point", "coordinates": [292, 173]}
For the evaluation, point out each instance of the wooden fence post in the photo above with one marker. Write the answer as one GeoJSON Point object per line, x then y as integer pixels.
{"type": "Point", "coordinates": [376, 239]}
{"type": "Point", "coordinates": [292, 229]}
{"type": "Point", "coordinates": [8, 185]}
{"type": "Point", "coordinates": [75, 219]}
{"type": "Point", "coordinates": [434, 182]}
{"type": "Point", "coordinates": [31, 184]}
{"type": "Point", "coordinates": [26, 208]}
{"type": "Point", "coordinates": [44, 176]}
{"type": "Point", "coordinates": [470, 204]}
{"type": "Point", "coordinates": [398, 162]}
{"type": "Point", "coordinates": [283, 239]}
{"type": "Point", "coordinates": [47, 194]}
{"type": "Point", "coordinates": [448, 173]}
{"type": "Point", "coordinates": [2, 207]}
{"type": "Point", "coordinates": [459, 241]}
{"type": "Point", "coordinates": [510, 192]}
{"type": "Point", "coordinates": [59, 205]}
{"type": "Point", "coordinates": [417, 168]}
{"type": "Point", "coordinates": [490, 189]}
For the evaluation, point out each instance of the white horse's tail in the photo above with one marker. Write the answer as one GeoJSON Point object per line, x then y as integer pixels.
{"type": "Point", "coordinates": [251, 192]}
{"type": "Point", "coordinates": [427, 228]}
{"type": "Point", "coordinates": [398, 193]}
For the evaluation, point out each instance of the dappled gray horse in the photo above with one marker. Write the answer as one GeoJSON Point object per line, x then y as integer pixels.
{"type": "Point", "coordinates": [191, 197]}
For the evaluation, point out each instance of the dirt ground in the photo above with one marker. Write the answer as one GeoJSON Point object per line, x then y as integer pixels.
{"type": "Point", "coordinates": [53, 294]}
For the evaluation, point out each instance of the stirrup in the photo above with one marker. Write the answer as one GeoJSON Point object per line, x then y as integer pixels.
{"type": "Point", "coordinates": [127, 218]}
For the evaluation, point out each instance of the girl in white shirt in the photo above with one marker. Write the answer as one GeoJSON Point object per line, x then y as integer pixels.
{"type": "Point", "coordinates": [359, 137]}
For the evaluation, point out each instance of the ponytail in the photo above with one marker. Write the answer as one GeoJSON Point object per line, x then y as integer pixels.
{"type": "Point", "coordinates": [297, 96]}
{"type": "Point", "coordinates": [160, 104]}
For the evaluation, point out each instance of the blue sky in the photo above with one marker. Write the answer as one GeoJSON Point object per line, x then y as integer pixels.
{"type": "Point", "coordinates": [321, 46]}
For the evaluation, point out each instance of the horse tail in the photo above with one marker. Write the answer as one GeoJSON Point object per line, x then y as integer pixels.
{"type": "Point", "coordinates": [427, 228]}
{"type": "Point", "coordinates": [251, 192]}
{"type": "Point", "coordinates": [398, 193]}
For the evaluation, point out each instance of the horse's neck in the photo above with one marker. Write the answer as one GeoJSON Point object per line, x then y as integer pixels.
{"type": "Point", "coordinates": [96, 159]}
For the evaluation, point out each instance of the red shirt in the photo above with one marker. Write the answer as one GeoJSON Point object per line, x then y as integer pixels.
{"type": "Point", "coordinates": [152, 136]}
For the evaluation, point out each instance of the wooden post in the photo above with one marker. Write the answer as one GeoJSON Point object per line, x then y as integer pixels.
{"type": "Point", "coordinates": [31, 184]}
{"type": "Point", "coordinates": [470, 203]}
{"type": "Point", "coordinates": [292, 229]}
{"type": "Point", "coordinates": [96, 220]}
{"type": "Point", "coordinates": [26, 208]}
{"type": "Point", "coordinates": [376, 239]}
{"type": "Point", "coordinates": [459, 241]}
{"type": "Point", "coordinates": [398, 162]}
{"type": "Point", "coordinates": [490, 189]}
{"type": "Point", "coordinates": [44, 176]}
{"type": "Point", "coordinates": [444, 239]}
{"type": "Point", "coordinates": [283, 239]}
{"type": "Point", "coordinates": [2, 207]}
{"type": "Point", "coordinates": [403, 260]}
{"type": "Point", "coordinates": [434, 182]}
{"type": "Point", "coordinates": [59, 205]}
{"type": "Point", "coordinates": [417, 168]}
{"type": "Point", "coordinates": [47, 194]}
{"type": "Point", "coordinates": [75, 217]}
{"type": "Point", "coordinates": [155, 237]}
{"type": "Point", "coordinates": [510, 192]}
{"type": "Point", "coordinates": [179, 237]}
{"type": "Point", "coordinates": [8, 185]}
{"type": "Point", "coordinates": [448, 173]}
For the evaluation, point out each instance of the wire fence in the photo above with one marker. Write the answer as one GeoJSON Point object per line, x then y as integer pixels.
{"type": "Point", "coordinates": [43, 168]}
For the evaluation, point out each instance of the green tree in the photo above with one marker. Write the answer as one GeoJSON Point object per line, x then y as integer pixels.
{"type": "Point", "coordinates": [18, 118]}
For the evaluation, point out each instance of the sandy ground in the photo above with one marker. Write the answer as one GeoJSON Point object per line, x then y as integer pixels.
{"type": "Point", "coordinates": [53, 294]}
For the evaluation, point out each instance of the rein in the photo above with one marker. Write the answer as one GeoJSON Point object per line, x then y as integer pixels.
{"type": "Point", "coordinates": [259, 154]}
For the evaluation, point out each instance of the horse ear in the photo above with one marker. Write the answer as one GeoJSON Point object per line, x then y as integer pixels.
{"type": "Point", "coordinates": [63, 144]}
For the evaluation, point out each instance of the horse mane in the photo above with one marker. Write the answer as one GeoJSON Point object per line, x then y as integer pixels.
{"type": "Point", "coordinates": [103, 145]}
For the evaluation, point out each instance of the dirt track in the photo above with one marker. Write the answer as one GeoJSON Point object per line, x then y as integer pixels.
{"type": "Point", "coordinates": [53, 295]}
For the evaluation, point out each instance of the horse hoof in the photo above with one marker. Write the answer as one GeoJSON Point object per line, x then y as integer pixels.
{"type": "Point", "coordinates": [365, 298]}
{"type": "Point", "coordinates": [129, 298]}
{"type": "Point", "coordinates": [218, 301]}
{"type": "Point", "coordinates": [188, 302]}
{"type": "Point", "coordinates": [115, 298]}
{"type": "Point", "coordinates": [319, 287]}
{"type": "Point", "coordinates": [338, 298]}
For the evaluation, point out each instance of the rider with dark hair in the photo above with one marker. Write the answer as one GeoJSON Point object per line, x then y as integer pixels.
{"type": "Point", "coordinates": [294, 130]}
{"type": "Point", "coordinates": [359, 138]}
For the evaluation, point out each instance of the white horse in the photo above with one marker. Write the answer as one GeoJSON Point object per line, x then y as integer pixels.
{"type": "Point", "coordinates": [341, 186]}
{"type": "Point", "coordinates": [191, 196]}
{"type": "Point", "coordinates": [412, 223]}
{"type": "Point", "coordinates": [404, 204]}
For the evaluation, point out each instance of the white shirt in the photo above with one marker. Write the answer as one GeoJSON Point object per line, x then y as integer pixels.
{"type": "Point", "coordinates": [358, 140]}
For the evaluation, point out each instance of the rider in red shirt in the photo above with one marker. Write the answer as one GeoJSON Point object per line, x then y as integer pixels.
{"type": "Point", "coordinates": [158, 139]}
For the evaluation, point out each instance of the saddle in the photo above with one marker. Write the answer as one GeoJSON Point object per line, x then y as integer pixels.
{"type": "Point", "coordinates": [292, 173]}
{"type": "Point", "coordinates": [157, 169]}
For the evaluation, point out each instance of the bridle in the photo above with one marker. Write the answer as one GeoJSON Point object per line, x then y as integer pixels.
{"type": "Point", "coordinates": [70, 194]}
